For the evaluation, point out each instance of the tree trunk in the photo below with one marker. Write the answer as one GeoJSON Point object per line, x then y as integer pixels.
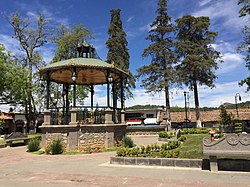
{"type": "Point", "coordinates": [167, 103]}
{"type": "Point", "coordinates": [197, 106]}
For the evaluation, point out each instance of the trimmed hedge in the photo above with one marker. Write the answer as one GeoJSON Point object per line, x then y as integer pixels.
{"type": "Point", "coordinates": [167, 150]}
{"type": "Point", "coordinates": [164, 134]}
{"type": "Point", "coordinates": [195, 131]}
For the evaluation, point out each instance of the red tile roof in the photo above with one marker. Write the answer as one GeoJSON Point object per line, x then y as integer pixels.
{"type": "Point", "coordinates": [6, 118]}
{"type": "Point", "coordinates": [209, 116]}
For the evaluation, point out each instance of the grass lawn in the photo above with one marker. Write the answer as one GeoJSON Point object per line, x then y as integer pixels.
{"type": "Point", "coordinates": [2, 142]}
{"type": "Point", "coordinates": [192, 147]}
{"type": "Point", "coordinates": [33, 135]}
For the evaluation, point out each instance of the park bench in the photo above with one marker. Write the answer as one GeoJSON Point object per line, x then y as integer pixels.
{"type": "Point", "coordinates": [16, 136]}
{"type": "Point", "coordinates": [230, 145]}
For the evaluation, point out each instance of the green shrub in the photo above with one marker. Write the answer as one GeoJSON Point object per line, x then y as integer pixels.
{"type": "Point", "coordinates": [121, 151]}
{"type": "Point", "coordinates": [127, 142]}
{"type": "Point", "coordinates": [238, 127]}
{"type": "Point", "coordinates": [88, 150]}
{"type": "Point", "coordinates": [142, 149]}
{"type": "Point", "coordinates": [56, 147]}
{"type": "Point", "coordinates": [34, 145]}
{"type": "Point", "coordinates": [182, 138]}
{"type": "Point", "coordinates": [38, 137]}
{"type": "Point", "coordinates": [164, 134]}
{"type": "Point", "coordinates": [135, 151]}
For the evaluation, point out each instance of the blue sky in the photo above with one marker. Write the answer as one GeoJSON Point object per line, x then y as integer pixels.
{"type": "Point", "coordinates": [137, 16]}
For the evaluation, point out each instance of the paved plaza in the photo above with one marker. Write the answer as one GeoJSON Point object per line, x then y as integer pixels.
{"type": "Point", "coordinates": [19, 168]}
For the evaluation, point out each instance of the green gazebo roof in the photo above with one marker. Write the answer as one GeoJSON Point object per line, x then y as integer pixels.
{"type": "Point", "coordinates": [88, 70]}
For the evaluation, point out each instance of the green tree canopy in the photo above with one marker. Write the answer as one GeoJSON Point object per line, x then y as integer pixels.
{"type": "Point", "coordinates": [243, 46]}
{"type": "Point", "coordinates": [158, 76]}
{"type": "Point", "coordinates": [21, 77]}
{"type": "Point", "coordinates": [198, 58]}
{"type": "Point", "coordinates": [118, 53]}
{"type": "Point", "coordinates": [68, 39]}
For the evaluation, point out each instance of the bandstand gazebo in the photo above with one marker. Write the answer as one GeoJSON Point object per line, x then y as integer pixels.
{"type": "Point", "coordinates": [86, 69]}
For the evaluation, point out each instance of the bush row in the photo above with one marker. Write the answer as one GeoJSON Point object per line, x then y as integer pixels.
{"type": "Point", "coordinates": [164, 134]}
{"type": "Point", "coordinates": [167, 150]}
{"type": "Point", "coordinates": [195, 131]}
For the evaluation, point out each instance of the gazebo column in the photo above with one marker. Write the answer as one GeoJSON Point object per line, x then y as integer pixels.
{"type": "Point", "coordinates": [92, 104]}
{"type": "Point", "coordinates": [46, 118]}
{"type": "Point", "coordinates": [47, 91]}
{"type": "Point", "coordinates": [122, 102]}
{"type": "Point", "coordinates": [46, 115]}
{"type": "Point", "coordinates": [67, 104]}
{"type": "Point", "coordinates": [108, 83]}
{"type": "Point", "coordinates": [73, 113]}
{"type": "Point", "coordinates": [108, 111]}
{"type": "Point", "coordinates": [114, 102]}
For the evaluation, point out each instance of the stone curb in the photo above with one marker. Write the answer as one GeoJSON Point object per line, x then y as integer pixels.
{"type": "Point", "coordinates": [174, 162]}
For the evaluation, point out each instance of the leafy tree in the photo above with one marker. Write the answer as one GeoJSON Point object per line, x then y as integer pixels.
{"type": "Point", "coordinates": [198, 56]}
{"type": "Point", "coordinates": [21, 72]}
{"type": "Point", "coordinates": [118, 52]}
{"type": "Point", "coordinates": [4, 58]}
{"type": "Point", "coordinates": [243, 46]}
{"type": "Point", "coordinates": [158, 76]}
{"type": "Point", "coordinates": [67, 40]}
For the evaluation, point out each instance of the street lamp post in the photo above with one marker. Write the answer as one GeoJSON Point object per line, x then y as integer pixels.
{"type": "Point", "coordinates": [236, 103]}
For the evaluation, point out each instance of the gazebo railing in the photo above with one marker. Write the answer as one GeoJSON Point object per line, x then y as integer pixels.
{"type": "Point", "coordinates": [84, 115]}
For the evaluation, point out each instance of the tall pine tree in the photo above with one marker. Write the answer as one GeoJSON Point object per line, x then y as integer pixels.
{"type": "Point", "coordinates": [198, 56]}
{"type": "Point", "coordinates": [158, 76]}
{"type": "Point", "coordinates": [244, 45]}
{"type": "Point", "coordinates": [118, 54]}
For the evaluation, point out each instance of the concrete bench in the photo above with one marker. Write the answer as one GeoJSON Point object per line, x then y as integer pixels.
{"type": "Point", "coordinates": [16, 136]}
{"type": "Point", "coordinates": [227, 146]}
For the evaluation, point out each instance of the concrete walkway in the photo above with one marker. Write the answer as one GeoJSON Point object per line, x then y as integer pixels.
{"type": "Point", "coordinates": [19, 168]}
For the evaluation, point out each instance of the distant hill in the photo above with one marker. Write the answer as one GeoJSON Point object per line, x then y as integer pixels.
{"type": "Point", "coordinates": [172, 109]}
{"type": "Point", "coordinates": [240, 105]}
{"type": "Point", "coordinates": [182, 109]}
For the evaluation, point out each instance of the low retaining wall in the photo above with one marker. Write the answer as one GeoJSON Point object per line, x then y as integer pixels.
{"type": "Point", "coordinates": [144, 130]}
{"type": "Point", "coordinates": [223, 164]}
{"type": "Point", "coordinates": [78, 138]}
{"type": "Point", "coordinates": [174, 162]}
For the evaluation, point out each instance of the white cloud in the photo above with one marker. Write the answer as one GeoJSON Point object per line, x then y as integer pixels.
{"type": "Point", "coordinates": [223, 47]}
{"type": "Point", "coordinates": [223, 92]}
{"type": "Point", "coordinates": [231, 61]}
{"type": "Point", "coordinates": [32, 15]}
{"type": "Point", "coordinates": [11, 44]}
{"type": "Point", "coordinates": [145, 28]}
{"type": "Point", "coordinates": [204, 2]}
{"type": "Point", "coordinates": [130, 19]}
{"type": "Point", "coordinates": [226, 9]}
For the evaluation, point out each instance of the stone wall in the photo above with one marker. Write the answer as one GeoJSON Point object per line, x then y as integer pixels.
{"type": "Point", "coordinates": [81, 138]}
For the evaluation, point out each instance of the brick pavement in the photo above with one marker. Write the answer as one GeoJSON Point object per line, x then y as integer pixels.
{"type": "Point", "coordinates": [19, 168]}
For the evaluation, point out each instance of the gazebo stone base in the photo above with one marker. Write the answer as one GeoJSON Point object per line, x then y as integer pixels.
{"type": "Point", "coordinates": [84, 137]}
